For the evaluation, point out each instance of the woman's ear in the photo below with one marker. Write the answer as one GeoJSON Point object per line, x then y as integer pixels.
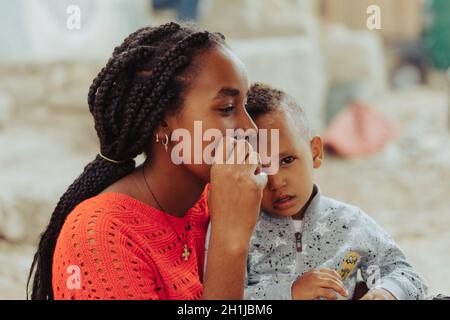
{"type": "Point", "coordinates": [168, 123]}
{"type": "Point", "coordinates": [317, 151]}
{"type": "Point", "coordinates": [162, 129]}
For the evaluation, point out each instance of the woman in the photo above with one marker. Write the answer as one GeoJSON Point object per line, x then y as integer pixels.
{"type": "Point", "coordinates": [126, 232]}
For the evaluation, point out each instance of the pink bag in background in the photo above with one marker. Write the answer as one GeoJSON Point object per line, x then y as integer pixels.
{"type": "Point", "coordinates": [358, 131]}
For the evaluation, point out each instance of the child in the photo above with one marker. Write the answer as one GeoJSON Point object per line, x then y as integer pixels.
{"type": "Point", "coordinates": [302, 238]}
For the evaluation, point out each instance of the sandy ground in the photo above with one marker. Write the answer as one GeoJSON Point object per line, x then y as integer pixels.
{"type": "Point", "coordinates": [414, 208]}
{"type": "Point", "coordinates": [405, 188]}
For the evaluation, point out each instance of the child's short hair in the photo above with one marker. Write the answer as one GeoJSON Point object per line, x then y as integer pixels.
{"type": "Point", "coordinates": [263, 99]}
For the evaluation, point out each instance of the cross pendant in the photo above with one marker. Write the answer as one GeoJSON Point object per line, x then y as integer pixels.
{"type": "Point", "coordinates": [186, 253]}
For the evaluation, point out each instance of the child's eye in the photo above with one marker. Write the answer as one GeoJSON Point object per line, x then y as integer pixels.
{"type": "Point", "coordinates": [287, 160]}
{"type": "Point", "coordinates": [228, 109]}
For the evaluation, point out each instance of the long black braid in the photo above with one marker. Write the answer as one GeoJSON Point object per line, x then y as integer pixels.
{"type": "Point", "coordinates": [144, 79]}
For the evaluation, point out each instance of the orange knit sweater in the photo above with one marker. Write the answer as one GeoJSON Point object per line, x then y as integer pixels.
{"type": "Point", "coordinates": [122, 248]}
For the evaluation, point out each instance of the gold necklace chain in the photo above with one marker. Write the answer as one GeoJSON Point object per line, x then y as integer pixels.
{"type": "Point", "coordinates": [186, 251]}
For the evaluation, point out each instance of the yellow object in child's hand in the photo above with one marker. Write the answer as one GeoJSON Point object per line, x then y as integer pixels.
{"type": "Point", "coordinates": [348, 265]}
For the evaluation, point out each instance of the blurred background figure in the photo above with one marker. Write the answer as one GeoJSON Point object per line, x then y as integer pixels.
{"type": "Point", "coordinates": [187, 10]}
{"type": "Point", "coordinates": [386, 90]}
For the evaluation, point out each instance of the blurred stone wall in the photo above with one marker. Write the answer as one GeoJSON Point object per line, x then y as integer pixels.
{"type": "Point", "coordinates": [46, 134]}
{"type": "Point", "coordinates": [401, 20]}
{"type": "Point", "coordinates": [46, 138]}
{"type": "Point", "coordinates": [47, 31]}
{"type": "Point", "coordinates": [285, 44]}
{"type": "Point", "coordinates": [46, 131]}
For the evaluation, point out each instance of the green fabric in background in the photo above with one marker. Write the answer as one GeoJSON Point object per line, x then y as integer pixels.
{"type": "Point", "coordinates": [437, 36]}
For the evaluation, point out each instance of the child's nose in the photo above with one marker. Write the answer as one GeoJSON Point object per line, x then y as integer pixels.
{"type": "Point", "coordinates": [276, 182]}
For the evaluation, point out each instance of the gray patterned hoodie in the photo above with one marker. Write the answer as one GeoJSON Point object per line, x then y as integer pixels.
{"type": "Point", "coordinates": [329, 231]}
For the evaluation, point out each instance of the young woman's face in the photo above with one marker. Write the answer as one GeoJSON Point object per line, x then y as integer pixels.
{"type": "Point", "coordinates": [216, 97]}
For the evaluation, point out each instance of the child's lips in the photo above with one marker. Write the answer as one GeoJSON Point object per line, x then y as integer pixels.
{"type": "Point", "coordinates": [284, 201]}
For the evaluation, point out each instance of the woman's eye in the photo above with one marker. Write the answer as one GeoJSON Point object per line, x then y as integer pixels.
{"type": "Point", "coordinates": [287, 160]}
{"type": "Point", "coordinates": [228, 109]}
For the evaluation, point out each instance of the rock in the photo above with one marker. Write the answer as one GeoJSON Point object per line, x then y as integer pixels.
{"type": "Point", "coordinates": [407, 105]}
{"type": "Point", "coordinates": [70, 97]}
{"type": "Point", "coordinates": [48, 154]}
{"type": "Point", "coordinates": [293, 64]}
{"type": "Point", "coordinates": [15, 262]}
{"type": "Point", "coordinates": [6, 109]}
{"type": "Point", "coordinates": [26, 86]}
{"type": "Point", "coordinates": [84, 73]}
{"type": "Point", "coordinates": [12, 228]}
{"type": "Point", "coordinates": [355, 57]}
{"type": "Point", "coordinates": [43, 32]}
{"type": "Point", "coordinates": [259, 18]}
{"type": "Point", "coordinates": [58, 76]}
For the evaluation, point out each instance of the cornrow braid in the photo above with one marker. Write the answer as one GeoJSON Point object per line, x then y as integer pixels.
{"type": "Point", "coordinates": [140, 35]}
{"type": "Point", "coordinates": [145, 78]}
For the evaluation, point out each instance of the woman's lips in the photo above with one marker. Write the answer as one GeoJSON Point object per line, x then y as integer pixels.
{"type": "Point", "coordinates": [284, 202]}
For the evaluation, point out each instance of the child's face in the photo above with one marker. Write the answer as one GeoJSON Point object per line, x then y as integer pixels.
{"type": "Point", "coordinates": [288, 191]}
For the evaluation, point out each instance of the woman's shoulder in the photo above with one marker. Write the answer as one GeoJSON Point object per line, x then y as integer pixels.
{"type": "Point", "coordinates": [103, 211]}
{"type": "Point", "coordinates": [108, 203]}
{"type": "Point", "coordinates": [121, 209]}
{"type": "Point", "coordinates": [105, 206]}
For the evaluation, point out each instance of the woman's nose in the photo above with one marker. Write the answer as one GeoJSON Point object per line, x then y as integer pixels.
{"type": "Point", "coordinates": [247, 124]}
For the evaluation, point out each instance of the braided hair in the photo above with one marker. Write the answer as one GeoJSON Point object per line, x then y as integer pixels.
{"type": "Point", "coordinates": [145, 79]}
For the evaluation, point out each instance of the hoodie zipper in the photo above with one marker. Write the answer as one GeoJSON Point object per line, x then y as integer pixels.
{"type": "Point", "coordinates": [298, 243]}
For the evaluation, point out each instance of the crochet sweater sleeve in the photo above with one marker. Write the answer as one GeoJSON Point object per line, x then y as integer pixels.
{"type": "Point", "coordinates": [98, 256]}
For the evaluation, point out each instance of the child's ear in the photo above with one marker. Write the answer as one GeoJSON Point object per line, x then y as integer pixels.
{"type": "Point", "coordinates": [317, 151]}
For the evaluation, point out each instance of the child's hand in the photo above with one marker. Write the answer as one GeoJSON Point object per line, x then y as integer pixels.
{"type": "Point", "coordinates": [317, 283]}
{"type": "Point", "coordinates": [378, 294]}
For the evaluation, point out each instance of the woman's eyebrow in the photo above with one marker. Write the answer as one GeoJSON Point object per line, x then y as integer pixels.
{"type": "Point", "coordinates": [227, 92]}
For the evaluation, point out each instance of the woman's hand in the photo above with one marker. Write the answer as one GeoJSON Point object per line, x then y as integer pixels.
{"type": "Point", "coordinates": [378, 294]}
{"type": "Point", "coordinates": [318, 283]}
{"type": "Point", "coordinates": [234, 202]}
{"type": "Point", "coordinates": [236, 192]}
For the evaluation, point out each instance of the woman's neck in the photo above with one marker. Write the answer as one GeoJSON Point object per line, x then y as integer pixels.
{"type": "Point", "coordinates": [175, 188]}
